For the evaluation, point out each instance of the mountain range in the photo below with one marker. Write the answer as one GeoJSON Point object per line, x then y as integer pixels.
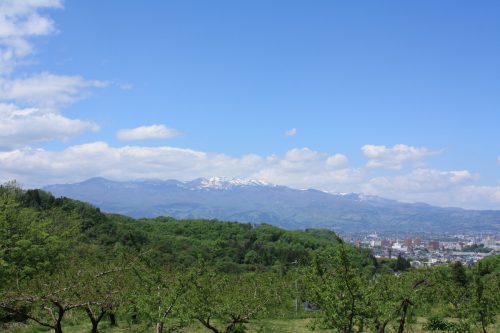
{"type": "Point", "coordinates": [255, 201]}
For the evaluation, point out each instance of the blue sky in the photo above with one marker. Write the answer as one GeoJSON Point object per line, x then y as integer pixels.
{"type": "Point", "coordinates": [397, 99]}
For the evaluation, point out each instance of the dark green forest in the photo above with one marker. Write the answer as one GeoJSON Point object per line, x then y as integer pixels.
{"type": "Point", "coordinates": [64, 262]}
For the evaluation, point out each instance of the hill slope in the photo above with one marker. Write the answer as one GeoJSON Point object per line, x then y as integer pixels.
{"type": "Point", "coordinates": [258, 202]}
{"type": "Point", "coordinates": [39, 232]}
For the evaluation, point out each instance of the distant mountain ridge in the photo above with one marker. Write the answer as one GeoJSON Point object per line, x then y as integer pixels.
{"type": "Point", "coordinates": [255, 201]}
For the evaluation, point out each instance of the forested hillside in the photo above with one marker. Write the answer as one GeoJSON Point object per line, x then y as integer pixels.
{"type": "Point", "coordinates": [40, 231]}
{"type": "Point", "coordinates": [65, 265]}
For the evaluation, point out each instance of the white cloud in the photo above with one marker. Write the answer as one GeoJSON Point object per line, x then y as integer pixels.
{"type": "Point", "coordinates": [443, 188]}
{"type": "Point", "coordinates": [307, 168]}
{"type": "Point", "coordinates": [478, 196]}
{"type": "Point", "coordinates": [395, 157]}
{"type": "Point", "coordinates": [291, 132]}
{"type": "Point", "coordinates": [19, 21]}
{"type": "Point", "coordinates": [30, 106]}
{"type": "Point", "coordinates": [46, 89]}
{"type": "Point", "coordinates": [35, 167]}
{"type": "Point", "coordinates": [418, 181]}
{"type": "Point", "coordinates": [20, 127]}
{"type": "Point", "coordinates": [42, 121]}
{"type": "Point", "coordinates": [300, 155]}
{"type": "Point", "coordinates": [147, 132]}
{"type": "Point", "coordinates": [336, 161]}
{"type": "Point", "coordinates": [298, 168]}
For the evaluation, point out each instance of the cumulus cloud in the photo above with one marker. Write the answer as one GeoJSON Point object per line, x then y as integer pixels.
{"type": "Point", "coordinates": [303, 168]}
{"type": "Point", "coordinates": [19, 21]}
{"type": "Point", "coordinates": [40, 119]}
{"type": "Point", "coordinates": [147, 132]}
{"type": "Point", "coordinates": [20, 127]}
{"type": "Point", "coordinates": [395, 157]}
{"type": "Point", "coordinates": [298, 168]}
{"type": "Point", "coordinates": [478, 196]}
{"type": "Point", "coordinates": [307, 168]}
{"type": "Point", "coordinates": [336, 161]}
{"type": "Point", "coordinates": [47, 90]}
{"type": "Point", "coordinates": [300, 155]}
{"type": "Point", "coordinates": [291, 132]}
{"type": "Point", "coordinates": [418, 181]}
{"type": "Point", "coordinates": [443, 188]}
{"type": "Point", "coordinates": [30, 106]}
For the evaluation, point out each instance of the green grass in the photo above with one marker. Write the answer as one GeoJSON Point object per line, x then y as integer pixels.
{"type": "Point", "coordinates": [260, 326]}
{"type": "Point", "coordinates": [257, 326]}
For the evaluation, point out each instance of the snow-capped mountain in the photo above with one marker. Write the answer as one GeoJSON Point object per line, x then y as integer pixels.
{"type": "Point", "coordinates": [255, 201]}
{"type": "Point", "coordinates": [221, 183]}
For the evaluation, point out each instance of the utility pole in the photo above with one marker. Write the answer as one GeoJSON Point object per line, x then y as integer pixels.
{"type": "Point", "coordinates": [296, 262]}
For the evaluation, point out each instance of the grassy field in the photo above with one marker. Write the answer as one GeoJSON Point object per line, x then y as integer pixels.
{"type": "Point", "coordinates": [258, 326]}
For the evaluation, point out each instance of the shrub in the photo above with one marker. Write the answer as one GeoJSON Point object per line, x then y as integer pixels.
{"type": "Point", "coordinates": [438, 324]}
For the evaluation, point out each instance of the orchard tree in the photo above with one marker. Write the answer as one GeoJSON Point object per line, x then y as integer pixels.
{"type": "Point", "coordinates": [101, 289]}
{"type": "Point", "coordinates": [158, 294]}
{"type": "Point", "coordinates": [335, 284]}
{"type": "Point", "coordinates": [485, 303]}
{"type": "Point", "coordinates": [453, 291]}
{"type": "Point", "coordinates": [44, 299]}
{"type": "Point", "coordinates": [383, 294]}
{"type": "Point", "coordinates": [473, 298]}
{"type": "Point", "coordinates": [223, 303]}
{"type": "Point", "coordinates": [410, 292]}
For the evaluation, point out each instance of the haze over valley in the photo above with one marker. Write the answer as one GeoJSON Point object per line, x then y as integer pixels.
{"type": "Point", "coordinates": [259, 202]}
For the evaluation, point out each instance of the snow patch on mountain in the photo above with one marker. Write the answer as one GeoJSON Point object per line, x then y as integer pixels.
{"type": "Point", "coordinates": [222, 183]}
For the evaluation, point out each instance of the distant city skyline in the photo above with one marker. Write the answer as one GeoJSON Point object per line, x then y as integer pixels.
{"type": "Point", "coordinates": [395, 99]}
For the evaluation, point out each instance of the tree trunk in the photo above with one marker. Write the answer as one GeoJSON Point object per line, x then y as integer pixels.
{"type": "Point", "coordinates": [60, 312]}
{"type": "Point", "coordinates": [159, 327]}
{"type": "Point", "coordinates": [112, 319]}
{"type": "Point", "coordinates": [381, 327]}
{"type": "Point", "coordinates": [207, 324]}
{"type": "Point", "coordinates": [58, 327]}
{"type": "Point", "coordinates": [404, 308]}
{"type": "Point", "coordinates": [235, 322]}
{"type": "Point", "coordinates": [483, 326]}
{"type": "Point", "coordinates": [350, 329]}
{"type": "Point", "coordinates": [95, 320]}
{"type": "Point", "coordinates": [94, 326]}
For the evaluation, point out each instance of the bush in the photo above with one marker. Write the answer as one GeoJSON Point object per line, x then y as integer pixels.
{"type": "Point", "coordinates": [438, 324]}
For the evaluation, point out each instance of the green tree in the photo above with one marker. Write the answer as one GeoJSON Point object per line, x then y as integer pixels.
{"type": "Point", "coordinates": [45, 299]}
{"type": "Point", "coordinates": [411, 293]}
{"type": "Point", "coordinates": [383, 294]}
{"type": "Point", "coordinates": [335, 284]}
{"type": "Point", "coordinates": [158, 293]}
{"type": "Point", "coordinates": [458, 275]}
{"type": "Point", "coordinates": [485, 304]}
{"type": "Point", "coordinates": [27, 244]}
{"type": "Point", "coordinates": [401, 264]}
{"type": "Point", "coordinates": [454, 294]}
{"type": "Point", "coordinates": [101, 288]}
{"type": "Point", "coordinates": [225, 302]}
